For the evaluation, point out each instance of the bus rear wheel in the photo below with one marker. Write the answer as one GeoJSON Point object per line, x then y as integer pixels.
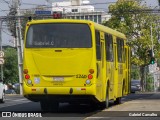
{"type": "Point", "coordinates": [54, 106]}
{"type": "Point", "coordinates": [118, 101]}
{"type": "Point", "coordinates": [44, 106]}
{"type": "Point", "coordinates": [105, 104]}
{"type": "Point", "coordinates": [49, 106]}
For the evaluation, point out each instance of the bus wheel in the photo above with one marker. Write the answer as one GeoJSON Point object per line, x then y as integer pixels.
{"type": "Point", "coordinates": [44, 106]}
{"type": "Point", "coordinates": [107, 100]}
{"type": "Point", "coordinates": [54, 106]}
{"type": "Point", "coordinates": [105, 104]}
{"type": "Point", "coordinates": [118, 101]}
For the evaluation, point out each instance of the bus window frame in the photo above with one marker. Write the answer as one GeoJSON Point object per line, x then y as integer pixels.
{"type": "Point", "coordinates": [41, 46]}
{"type": "Point", "coordinates": [98, 45]}
{"type": "Point", "coordinates": [120, 49]}
{"type": "Point", "coordinates": [109, 44]}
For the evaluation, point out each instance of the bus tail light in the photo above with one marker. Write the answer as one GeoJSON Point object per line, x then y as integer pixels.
{"type": "Point", "coordinates": [91, 71]}
{"type": "Point", "coordinates": [90, 76]}
{"type": "Point", "coordinates": [25, 71]}
{"type": "Point", "coordinates": [27, 76]}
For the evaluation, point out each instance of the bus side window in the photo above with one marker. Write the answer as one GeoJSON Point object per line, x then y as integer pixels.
{"type": "Point", "coordinates": [125, 55]}
{"type": "Point", "coordinates": [109, 47]}
{"type": "Point", "coordinates": [98, 47]}
{"type": "Point", "coordinates": [120, 49]}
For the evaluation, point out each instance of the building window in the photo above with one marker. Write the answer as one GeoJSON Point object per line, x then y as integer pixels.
{"type": "Point", "coordinates": [95, 18]}
{"type": "Point", "coordinates": [74, 10]}
{"type": "Point", "coordinates": [90, 17]}
{"type": "Point", "coordinates": [82, 17]}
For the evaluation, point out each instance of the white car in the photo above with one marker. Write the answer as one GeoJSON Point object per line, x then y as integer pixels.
{"type": "Point", "coordinates": [2, 92]}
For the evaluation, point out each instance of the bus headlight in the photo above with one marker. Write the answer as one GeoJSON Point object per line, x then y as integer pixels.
{"type": "Point", "coordinates": [29, 82]}
{"type": "Point", "coordinates": [88, 82]}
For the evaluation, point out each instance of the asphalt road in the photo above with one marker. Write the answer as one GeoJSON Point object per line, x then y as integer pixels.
{"type": "Point", "coordinates": [140, 103]}
{"type": "Point", "coordinates": [17, 103]}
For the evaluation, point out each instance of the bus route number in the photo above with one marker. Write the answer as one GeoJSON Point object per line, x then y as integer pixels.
{"type": "Point", "coordinates": [81, 76]}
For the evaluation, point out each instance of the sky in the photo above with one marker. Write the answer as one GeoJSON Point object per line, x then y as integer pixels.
{"type": "Point", "coordinates": [26, 4]}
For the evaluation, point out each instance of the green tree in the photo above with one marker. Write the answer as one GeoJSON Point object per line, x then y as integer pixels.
{"type": "Point", "coordinates": [10, 67]}
{"type": "Point", "coordinates": [132, 19]}
{"type": "Point", "coordinates": [24, 19]}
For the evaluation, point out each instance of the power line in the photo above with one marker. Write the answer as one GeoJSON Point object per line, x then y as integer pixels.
{"type": "Point", "coordinates": [3, 11]}
{"type": "Point", "coordinates": [6, 33]}
{"type": "Point", "coordinates": [6, 2]}
{"type": "Point", "coordinates": [32, 4]}
{"type": "Point", "coordinates": [45, 6]}
{"type": "Point", "coordinates": [71, 5]}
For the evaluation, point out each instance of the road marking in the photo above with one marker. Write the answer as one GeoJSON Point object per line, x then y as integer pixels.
{"type": "Point", "coordinates": [87, 118]}
{"type": "Point", "coordinates": [20, 99]}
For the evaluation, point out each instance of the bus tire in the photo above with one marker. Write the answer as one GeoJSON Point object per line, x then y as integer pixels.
{"type": "Point", "coordinates": [105, 104]}
{"type": "Point", "coordinates": [44, 106]}
{"type": "Point", "coordinates": [54, 106]}
{"type": "Point", "coordinates": [118, 101]}
{"type": "Point", "coordinates": [123, 88]}
{"type": "Point", "coordinates": [107, 100]}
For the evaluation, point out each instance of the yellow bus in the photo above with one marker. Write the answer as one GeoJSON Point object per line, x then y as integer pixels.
{"type": "Point", "coordinates": [75, 61]}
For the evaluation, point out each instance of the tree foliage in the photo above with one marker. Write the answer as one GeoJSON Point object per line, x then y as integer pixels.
{"type": "Point", "coordinates": [132, 19]}
{"type": "Point", "coordinates": [10, 67]}
{"type": "Point", "coordinates": [24, 19]}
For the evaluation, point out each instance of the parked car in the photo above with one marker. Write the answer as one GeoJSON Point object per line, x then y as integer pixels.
{"type": "Point", "coordinates": [10, 91]}
{"type": "Point", "coordinates": [135, 86]}
{"type": "Point", "coordinates": [2, 92]}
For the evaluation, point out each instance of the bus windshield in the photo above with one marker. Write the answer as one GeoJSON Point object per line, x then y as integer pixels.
{"type": "Point", "coordinates": [59, 35]}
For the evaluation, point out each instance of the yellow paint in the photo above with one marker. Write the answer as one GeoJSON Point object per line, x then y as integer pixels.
{"type": "Point", "coordinates": [58, 71]}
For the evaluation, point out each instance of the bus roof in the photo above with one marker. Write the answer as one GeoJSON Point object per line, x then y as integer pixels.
{"type": "Point", "coordinates": [109, 30]}
{"type": "Point", "coordinates": [96, 25]}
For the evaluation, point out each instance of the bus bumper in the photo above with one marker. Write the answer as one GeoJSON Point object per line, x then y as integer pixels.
{"type": "Point", "coordinates": [59, 93]}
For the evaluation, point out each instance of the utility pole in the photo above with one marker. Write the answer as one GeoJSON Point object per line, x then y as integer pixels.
{"type": "Point", "coordinates": [152, 41]}
{"type": "Point", "coordinates": [19, 41]}
{"type": "Point", "coordinates": [19, 47]}
{"type": "Point", "coordinates": [1, 47]}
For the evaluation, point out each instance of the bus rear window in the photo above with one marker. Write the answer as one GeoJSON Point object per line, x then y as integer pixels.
{"type": "Point", "coordinates": [59, 35]}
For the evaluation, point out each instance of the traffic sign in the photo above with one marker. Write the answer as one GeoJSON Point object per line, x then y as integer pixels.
{"type": "Point", "coordinates": [1, 61]}
{"type": "Point", "coordinates": [1, 54]}
{"type": "Point", "coordinates": [43, 12]}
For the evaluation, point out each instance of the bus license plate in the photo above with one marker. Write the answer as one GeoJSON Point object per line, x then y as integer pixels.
{"type": "Point", "coordinates": [58, 79]}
